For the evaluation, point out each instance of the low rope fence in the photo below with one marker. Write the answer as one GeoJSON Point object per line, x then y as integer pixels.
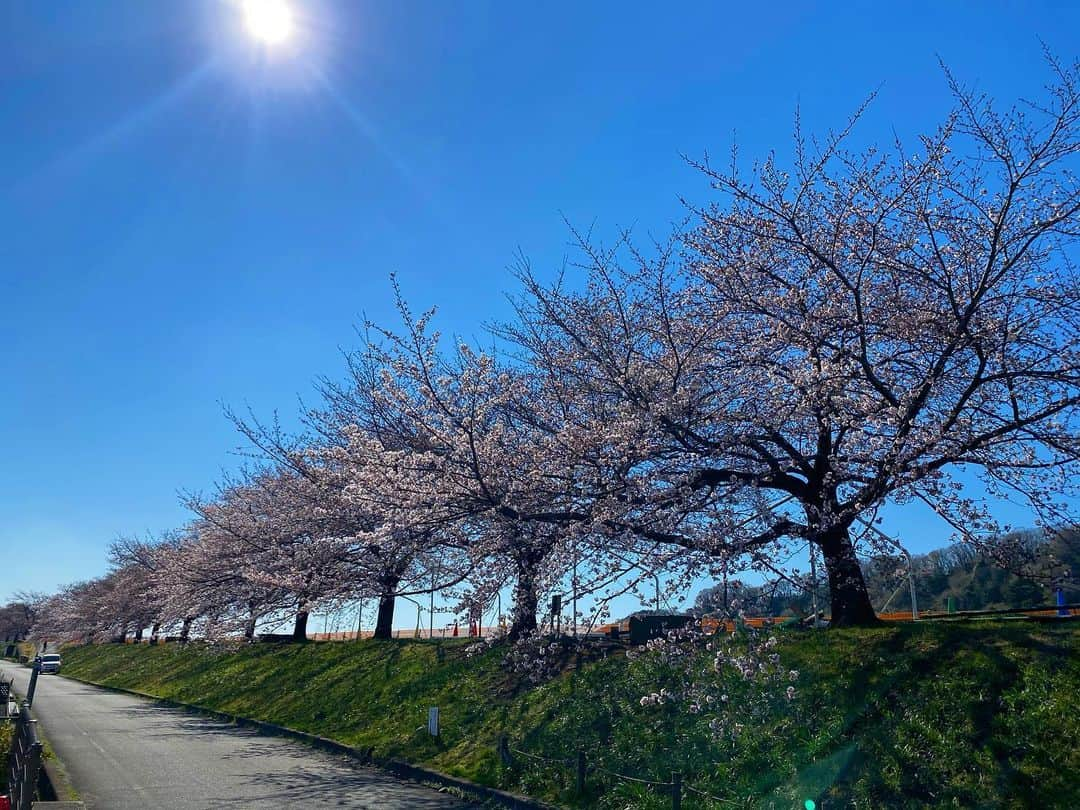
{"type": "Point", "coordinates": [581, 769]}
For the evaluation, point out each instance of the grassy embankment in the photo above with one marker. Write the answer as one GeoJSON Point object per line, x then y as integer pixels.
{"type": "Point", "coordinates": [974, 714]}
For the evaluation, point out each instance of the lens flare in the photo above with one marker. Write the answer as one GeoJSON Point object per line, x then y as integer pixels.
{"type": "Point", "coordinates": [269, 21]}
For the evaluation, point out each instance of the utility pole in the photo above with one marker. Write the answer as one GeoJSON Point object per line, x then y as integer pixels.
{"type": "Point", "coordinates": [573, 589]}
{"type": "Point", "coordinates": [910, 564]}
{"type": "Point", "coordinates": [911, 583]}
{"type": "Point", "coordinates": [727, 603]}
{"type": "Point", "coordinates": [813, 583]}
{"type": "Point", "coordinates": [431, 611]}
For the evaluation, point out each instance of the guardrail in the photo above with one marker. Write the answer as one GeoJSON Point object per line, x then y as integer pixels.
{"type": "Point", "coordinates": [1059, 611]}
{"type": "Point", "coordinates": [24, 761]}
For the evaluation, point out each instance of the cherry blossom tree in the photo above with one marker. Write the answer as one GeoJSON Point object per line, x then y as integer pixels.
{"type": "Point", "coordinates": [381, 558]}
{"type": "Point", "coordinates": [202, 576]}
{"type": "Point", "coordinates": [434, 445]}
{"type": "Point", "coordinates": [17, 616]}
{"type": "Point", "coordinates": [860, 329]}
{"type": "Point", "coordinates": [88, 610]}
{"type": "Point", "coordinates": [136, 563]}
{"type": "Point", "coordinates": [288, 551]}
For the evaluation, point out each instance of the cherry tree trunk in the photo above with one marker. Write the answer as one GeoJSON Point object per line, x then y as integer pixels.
{"type": "Point", "coordinates": [384, 623]}
{"type": "Point", "coordinates": [525, 601]}
{"type": "Point", "coordinates": [253, 618]}
{"type": "Point", "coordinates": [185, 629]}
{"type": "Point", "coordinates": [851, 606]}
{"type": "Point", "coordinates": [299, 632]}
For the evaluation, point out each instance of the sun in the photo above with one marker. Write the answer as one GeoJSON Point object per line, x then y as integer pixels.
{"type": "Point", "coordinates": [269, 21]}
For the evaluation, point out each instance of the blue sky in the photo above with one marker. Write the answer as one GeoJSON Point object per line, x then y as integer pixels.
{"type": "Point", "coordinates": [189, 221]}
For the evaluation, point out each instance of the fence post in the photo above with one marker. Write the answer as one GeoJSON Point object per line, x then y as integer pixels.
{"type": "Point", "coordinates": [676, 790]}
{"type": "Point", "coordinates": [580, 773]}
{"type": "Point", "coordinates": [33, 683]}
{"type": "Point", "coordinates": [504, 751]}
{"type": "Point", "coordinates": [30, 776]}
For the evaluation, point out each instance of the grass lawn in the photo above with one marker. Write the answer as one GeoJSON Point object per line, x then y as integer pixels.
{"type": "Point", "coordinates": [941, 714]}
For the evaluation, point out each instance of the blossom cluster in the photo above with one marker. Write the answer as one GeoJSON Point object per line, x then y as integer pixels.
{"type": "Point", "coordinates": [732, 679]}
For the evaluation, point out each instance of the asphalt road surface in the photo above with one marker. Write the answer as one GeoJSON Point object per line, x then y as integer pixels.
{"type": "Point", "coordinates": [124, 752]}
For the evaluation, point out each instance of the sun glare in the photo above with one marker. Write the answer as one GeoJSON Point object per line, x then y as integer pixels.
{"type": "Point", "coordinates": [269, 21]}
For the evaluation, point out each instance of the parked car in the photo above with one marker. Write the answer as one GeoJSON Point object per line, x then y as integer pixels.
{"type": "Point", "coordinates": [50, 662]}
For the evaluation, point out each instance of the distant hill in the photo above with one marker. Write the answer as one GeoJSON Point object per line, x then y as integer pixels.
{"type": "Point", "coordinates": [974, 580]}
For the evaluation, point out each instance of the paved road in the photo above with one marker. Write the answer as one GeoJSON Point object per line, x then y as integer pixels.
{"type": "Point", "coordinates": [127, 753]}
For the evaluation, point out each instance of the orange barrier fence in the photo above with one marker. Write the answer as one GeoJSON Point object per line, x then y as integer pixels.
{"type": "Point", "coordinates": [711, 624]}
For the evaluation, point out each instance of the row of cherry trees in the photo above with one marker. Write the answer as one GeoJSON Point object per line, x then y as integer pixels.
{"type": "Point", "coordinates": [859, 329]}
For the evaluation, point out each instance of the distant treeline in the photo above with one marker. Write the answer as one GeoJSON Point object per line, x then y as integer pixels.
{"type": "Point", "coordinates": [974, 579]}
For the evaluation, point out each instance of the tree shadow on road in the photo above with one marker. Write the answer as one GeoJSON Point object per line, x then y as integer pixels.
{"type": "Point", "coordinates": [340, 787]}
{"type": "Point", "coordinates": [307, 777]}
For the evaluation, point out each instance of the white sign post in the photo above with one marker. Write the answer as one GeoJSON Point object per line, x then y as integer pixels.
{"type": "Point", "coordinates": [433, 721]}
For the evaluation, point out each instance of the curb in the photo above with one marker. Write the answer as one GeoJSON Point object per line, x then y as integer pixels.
{"type": "Point", "coordinates": [56, 787]}
{"type": "Point", "coordinates": [397, 767]}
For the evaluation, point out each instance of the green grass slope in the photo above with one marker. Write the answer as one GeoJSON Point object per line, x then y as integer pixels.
{"type": "Point", "coordinates": [978, 714]}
